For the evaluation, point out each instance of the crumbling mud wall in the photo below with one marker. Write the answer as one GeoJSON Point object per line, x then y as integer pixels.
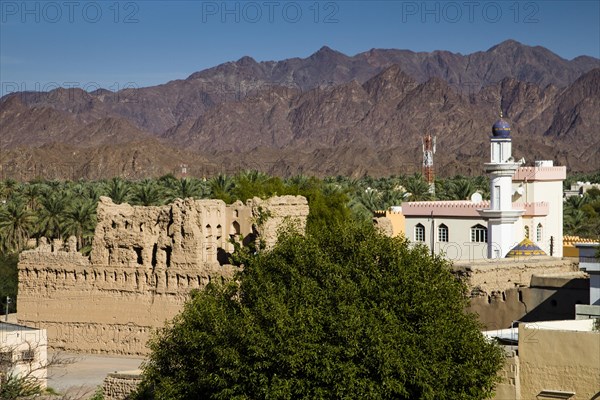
{"type": "Point", "coordinates": [533, 289]}
{"type": "Point", "coordinates": [144, 263]}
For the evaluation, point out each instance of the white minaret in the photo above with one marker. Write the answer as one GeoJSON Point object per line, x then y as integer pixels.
{"type": "Point", "coordinates": [500, 215]}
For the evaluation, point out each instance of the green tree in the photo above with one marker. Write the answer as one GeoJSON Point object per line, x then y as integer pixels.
{"type": "Point", "coordinates": [341, 313]}
{"type": "Point", "coordinates": [51, 216]}
{"type": "Point", "coordinates": [80, 221]}
{"type": "Point", "coordinates": [9, 276]}
{"type": "Point", "coordinates": [221, 187]}
{"type": "Point", "coordinates": [16, 225]}
{"type": "Point", "coordinates": [187, 187]}
{"type": "Point", "coordinates": [417, 188]}
{"type": "Point", "coordinates": [148, 193]}
{"type": "Point", "coordinates": [118, 190]}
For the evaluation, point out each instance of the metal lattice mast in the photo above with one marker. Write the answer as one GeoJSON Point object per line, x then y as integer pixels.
{"type": "Point", "coordinates": [428, 152]}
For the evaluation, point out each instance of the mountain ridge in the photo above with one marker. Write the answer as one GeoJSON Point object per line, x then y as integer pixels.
{"type": "Point", "coordinates": [295, 113]}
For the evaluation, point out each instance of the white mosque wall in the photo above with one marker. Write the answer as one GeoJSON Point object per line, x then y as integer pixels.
{"type": "Point", "coordinates": [459, 245]}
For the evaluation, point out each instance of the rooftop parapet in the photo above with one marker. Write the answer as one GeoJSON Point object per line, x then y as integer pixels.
{"type": "Point", "coordinates": [540, 174]}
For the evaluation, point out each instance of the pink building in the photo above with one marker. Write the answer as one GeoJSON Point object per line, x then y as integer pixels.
{"type": "Point", "coordinates": [525, 202]}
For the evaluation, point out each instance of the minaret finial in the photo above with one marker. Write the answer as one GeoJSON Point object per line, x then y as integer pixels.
{"type": "Point", "coordinates": [501, 116]}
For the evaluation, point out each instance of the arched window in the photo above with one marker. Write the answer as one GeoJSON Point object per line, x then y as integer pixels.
{"type": "Point", "coordinates": [419, 233]}
{"type": "Point", "coordinates": [479, 234]}
{"type": "Point", "coordinates": [527, 232]}
{"type": "Point", "coordinates": [442, 233]}
{"type": "Point", "coordinates": [539, 235]}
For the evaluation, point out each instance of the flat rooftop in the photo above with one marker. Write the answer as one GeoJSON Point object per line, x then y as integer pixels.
{"type": "Point", "coordinates": [9, 327]}
{"type": "Point", "coordinates": [578, 325]}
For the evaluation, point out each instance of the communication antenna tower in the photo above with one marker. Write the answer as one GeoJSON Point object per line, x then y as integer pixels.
{"type": "Point", "coordinates": [428, 152]}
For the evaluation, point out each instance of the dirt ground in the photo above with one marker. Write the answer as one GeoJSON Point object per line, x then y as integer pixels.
{"type": "Point", "coordinates": [79, 375]}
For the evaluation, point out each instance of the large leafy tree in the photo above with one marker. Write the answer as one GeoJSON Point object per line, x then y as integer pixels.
{"type": "Point", "coordinates": [341, 313]}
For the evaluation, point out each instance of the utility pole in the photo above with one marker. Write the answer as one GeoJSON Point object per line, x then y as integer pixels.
{"type": "Point", "coordinates": [7, 303]}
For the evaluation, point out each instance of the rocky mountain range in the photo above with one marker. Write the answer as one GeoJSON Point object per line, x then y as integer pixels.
{"type": "Point", "coordinates": [327, 114]}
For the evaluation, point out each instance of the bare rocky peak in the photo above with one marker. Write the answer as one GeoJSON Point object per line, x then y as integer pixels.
{"type": "Point", "coordinates": [328, 113]}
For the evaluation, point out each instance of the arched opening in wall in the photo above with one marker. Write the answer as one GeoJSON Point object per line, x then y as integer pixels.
{"type": "Point", "coordinates": [137, 278]}
{"type": "Point", "coordinates": [236, 214]}
{"type": "Point", "coordinates": [479, 234]}
{"type": "Point", "coordinates": [520, 296]}
{"type": "Point", "coordinates": [251, 238]}
{"type": "Point", "coordinates": [539, 236]}
{"type": "Point", "coordinates": [168, 251]}
{"type": "Point", "coordinates": [503, 296]}
{"type": "Point", "coordinates": [113, 225]}
{"type": "Point", "coordinates": [138, 252]}
{"type": "Point", "coordinates": [526, 233]}
{"type": "Point", "coordinates": [124, 276]}
{"type": "Point", "coordinates": [419, 234]}
{"type": "Point", "coordinates": [154, 250]}
{"type": "Point", "coordinates": [166, 279]}
{"type": "Point", "coordinates": [115, 276]}
{"type": "Point", "coordinates": [127, 225]}
{"type": "Point", "coordinates": [85, 274]}
{"type": "Point", "coordinates": [208, 231]}
{"type": "Point", "coordinates": [442, 233]}
{"type": "Point", "coordinates": [222, 256]}
{"type": "Point", "coordinates": [219, 232]}
{"type": "Point", "coordinates": [142, 227]}
{"type": "Point", "coordinates": [234, 230]}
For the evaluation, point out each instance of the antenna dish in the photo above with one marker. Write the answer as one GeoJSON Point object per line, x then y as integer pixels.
{"type": "Point", "coordinates": [476, 197]}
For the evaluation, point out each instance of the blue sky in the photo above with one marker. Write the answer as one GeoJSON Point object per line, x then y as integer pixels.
{"type": "Point", "coordinates": [140, 43]}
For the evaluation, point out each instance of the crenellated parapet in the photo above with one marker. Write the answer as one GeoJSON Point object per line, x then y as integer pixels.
{"type": "Point", "coordinates": [143, 264]}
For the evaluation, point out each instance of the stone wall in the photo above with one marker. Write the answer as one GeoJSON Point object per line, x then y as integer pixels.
{"type": "Point", "coordinates": [559, 361]}
{"type": "Point", "coordinates": [509, 387]}
{"type": "Point", "coordinates": [144, 262]}
{"type": "Point", "coordinates": [119, 385]}
{"type": "Point", "coordinates": [503, 291]}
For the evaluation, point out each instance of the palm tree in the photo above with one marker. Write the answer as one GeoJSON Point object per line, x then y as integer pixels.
{"type": "Point", "coordinates": [417, 188]}
{"type": "Point", "coordinates": [51, 216]}
{"type": "Point", "coordinates": [118, 190]}
{"type": "Point", "coordinates": [32, 193]}
{"type": "Point", "coordinates": [16, 222]}
{"type": "Point", "coordinates": [148, 193]}
{"type": "Point", "coordinates": [221, 187]}
{"type": "Point", "coordinates": [370, 199]}
{"type": "Point", "coordinates": [187, 187]}
{"type": "Point", "coordinates": [573, 222]}
{"type": "Point", "coordinates": [80, 220]}
{"type": "Point", "coordinates": [462, 189]}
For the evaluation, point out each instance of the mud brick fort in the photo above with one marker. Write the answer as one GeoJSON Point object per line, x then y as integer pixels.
{"type": "Point", "coordinates": [144, 262]}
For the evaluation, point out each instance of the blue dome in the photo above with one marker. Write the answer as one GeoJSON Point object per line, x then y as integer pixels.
{"type": "Point", "coordinates": [501, 129]}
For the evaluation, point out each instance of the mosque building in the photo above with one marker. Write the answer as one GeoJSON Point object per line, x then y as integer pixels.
{"type": "Point", "coordinates": [523, 218]}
